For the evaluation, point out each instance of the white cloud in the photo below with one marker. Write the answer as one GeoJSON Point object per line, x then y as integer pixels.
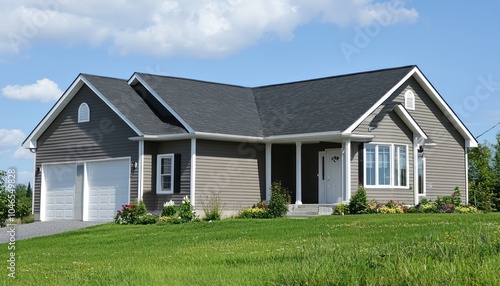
{"type": "Point", "coordinates": [12, 137]}
{"type": "Point", "coordinates": [10, 144]}
{"type": "Point", "coordinates": [22, 153]}
{"type": "Point", "coordinates": [43, 90]}
{"type": "Point", "coordinates": [199, 28]}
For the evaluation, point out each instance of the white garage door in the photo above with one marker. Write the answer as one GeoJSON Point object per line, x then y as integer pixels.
{"type": "Point", "coordinates": [59, 191]}
{"type": "Point", "coordinates": [108, 186]}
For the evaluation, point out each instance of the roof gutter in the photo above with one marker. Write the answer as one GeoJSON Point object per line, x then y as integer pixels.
{"type": "Point", "coordinates": [306, 137]}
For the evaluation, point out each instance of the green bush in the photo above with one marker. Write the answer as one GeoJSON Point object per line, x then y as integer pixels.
{"type": "Point", "coordinates": [147, 218]}
{"type": "Point", "coordinates": [278, 203]}
{"type": "Point", "coordinates": [358, 203]}
{"type": "Point", "coordinates": [186, 212]}
{"type": "Point", "coordinates": [340, 209]}
{"type": "Point", "coordinates": [253, 213]}
{"type": "Point", "coordinates": [130, 213]}
{"type": "Point", "coordinates": [169, 209]}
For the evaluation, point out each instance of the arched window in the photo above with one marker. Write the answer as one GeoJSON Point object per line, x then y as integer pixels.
{"type": "Point", "coordinates": [83, 113]}
{"type": "Point", "coordinates": [409, 100]}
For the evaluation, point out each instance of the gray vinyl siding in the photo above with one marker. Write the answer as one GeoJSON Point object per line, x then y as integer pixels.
{"type": "Point", "coordinates": [355, 166]}
{"type": "Point", "coordinates": [390, 130]}
{"type": "Point", "coordinates": [104, 137]}
{"type": "Point", "coordinates": [446, 161]}
{"type": "Point", "coordinates": [233, 171]}
{"type": "Point", "coordinates": [182, 172]}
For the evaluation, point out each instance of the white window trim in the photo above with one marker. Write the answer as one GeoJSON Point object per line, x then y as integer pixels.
{"type": "Point", "coordinates": [80, 119]}
{"type": "Point", "coordinates": [424, 177]}
{"type": "Point", "coordinates": [398, 167]}
{"type": "Point", "coordinates": [391, 159]}
{"type": "Point", "coordinates": [409, 98]}
{"type": "Point", "coordinates": [159, 189]}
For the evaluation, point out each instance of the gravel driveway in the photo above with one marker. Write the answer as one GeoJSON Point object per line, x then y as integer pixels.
{"type": "Point", "coordinates": [39, 228]}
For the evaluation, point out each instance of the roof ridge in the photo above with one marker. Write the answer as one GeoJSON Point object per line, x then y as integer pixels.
{"type": "Point", "coordinates": [101, 76]}
{"type": "Point", "coordinates": [336, 76]}
{"type": "Point", "coordinates": [194, 80]}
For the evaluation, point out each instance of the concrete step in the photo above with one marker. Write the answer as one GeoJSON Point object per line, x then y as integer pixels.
{"type": "Point", "coordinates": [306, 210]}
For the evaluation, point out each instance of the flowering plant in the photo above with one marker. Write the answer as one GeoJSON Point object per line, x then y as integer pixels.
{"type": "Point", "coordinates": [130, 212]}
{"type": "Point", "coordinates": [169, 209]}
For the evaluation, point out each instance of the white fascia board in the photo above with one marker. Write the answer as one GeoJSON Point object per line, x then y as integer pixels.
{"type": "Point", "coordinates": [380, 101]}
{"type": "Point", "coordinates": [136, 78]}
{"type": "Point", "coordinates": [30, 141]}
{"type": "Point", "coordinates": [445, 108]}
{"type": "Point", "coordinates": [316, 136]}
{"type": "Point", "coordinates": [409, 121]}
{"type": "Point", "coordinates": [306, 137]}
{"type": "Point", "coordinates": [112, 106]}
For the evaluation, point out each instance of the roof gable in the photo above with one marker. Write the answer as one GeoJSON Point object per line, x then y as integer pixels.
{"type": "Point", "coordinates": [321, 105]}
{"type": "Point", "coordinates": [30, 141]}
{"type": "Point", "coordinates": [205, 106]}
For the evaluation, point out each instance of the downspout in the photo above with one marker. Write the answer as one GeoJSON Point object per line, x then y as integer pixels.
{"type": "Point", "coordinates": [415, 170]}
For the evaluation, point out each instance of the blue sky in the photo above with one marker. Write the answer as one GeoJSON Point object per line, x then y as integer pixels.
{"type": "Point", "coordinates": [45, 44]}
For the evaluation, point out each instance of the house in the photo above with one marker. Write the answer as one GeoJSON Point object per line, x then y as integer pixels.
{"type": "Point", "coordinates": [107, 142]}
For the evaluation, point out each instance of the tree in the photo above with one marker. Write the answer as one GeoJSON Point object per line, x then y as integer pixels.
{"type": "Point", "coordinates": [29, 191]}
{"type": "Point", "coordinates": [496, 170]}
{"type": "Point", "coordinates": [481, 177]}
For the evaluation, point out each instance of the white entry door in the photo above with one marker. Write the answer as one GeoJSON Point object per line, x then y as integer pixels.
{"type": "Point", "coordinates": [108, 187]}
{"type": "Point", "coordinates": [330, 176]}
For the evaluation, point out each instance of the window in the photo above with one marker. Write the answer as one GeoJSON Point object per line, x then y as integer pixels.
{"type": "Point", "coordinates": [421, 174]}
{"type": "Point", "coordinates": [400, 169]}
{"type": "Point", "coordinates": [409, 100]}
{"type": "Point", "coordinates": [165, 174]}
{"type": "Point", "coordinates": [83, 113]}
{"type": "Point", "coordinates": [386, 165]}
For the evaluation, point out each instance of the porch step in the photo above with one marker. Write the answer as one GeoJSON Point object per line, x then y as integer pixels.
{"type": "Point", "coordinates": [306, 210]}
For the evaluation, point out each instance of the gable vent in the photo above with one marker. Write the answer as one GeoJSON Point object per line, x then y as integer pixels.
{"type": "Point", "coordinates": [83, 113]}
{"type": "Point", "coordinates": [409, 100]}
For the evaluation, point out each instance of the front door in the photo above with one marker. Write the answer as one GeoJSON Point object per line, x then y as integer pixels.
{"type": "Point", "coordinates": [330, 176]}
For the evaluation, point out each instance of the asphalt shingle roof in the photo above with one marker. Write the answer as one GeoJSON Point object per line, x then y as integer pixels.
{"type": "Point", "coordinates": [326, 104]}
{"type": "Point", "coordinates": [209, 107]}
{"type": "Point", "coordinates": [317, 105]}
{"type": "Point", "coordinates": [132, 106]}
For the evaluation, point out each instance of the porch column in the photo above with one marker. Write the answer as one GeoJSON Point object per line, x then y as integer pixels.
{"type": "Point", "coordinates": [268, 170]}
{"type": "Point", "coordinates": [298, 173]}
{"type": "Point", "coordinates": [466, 176]}
{"type": "Point", "coordinates": [192, 182]}
{"type": "Point", "coordinates": [347, 179]}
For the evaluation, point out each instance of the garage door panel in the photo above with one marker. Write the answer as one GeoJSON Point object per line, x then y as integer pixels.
{"type": "Point", "coordinates": [108, 188]}
{"type": "Point", "coordinates": [59, 188]}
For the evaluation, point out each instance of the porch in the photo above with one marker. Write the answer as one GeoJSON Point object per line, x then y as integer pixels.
{"type": "Point", "coordinates": [317, 174]}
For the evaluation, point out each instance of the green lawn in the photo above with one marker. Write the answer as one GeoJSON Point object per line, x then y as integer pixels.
{"type": "Point", "coordinates": [412, 249]}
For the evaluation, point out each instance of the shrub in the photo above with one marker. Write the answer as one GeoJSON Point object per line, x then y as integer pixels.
{"type": "Point", "coordinates": [213, 208]}
{"type": "Point", "coordinates": [147, 219]}
{"type": "Point", "coordinates": [169, 209]}
{"type": "Point", "coordinates": [186, 212]}
{"type": "Point", "coordinates": [430, 207]}
{"type": "Point", "coordinates": [278, 203]}
{"type": "Point", "coordinates": [253, 213]}
{"type": "Point", "coordinates": [129, 213]}
{"type": "Point", "coordinates": [447, 204]}
{"type": "Point", "coordinates": [28, 219]}
{"type": "Point", "coordinates": [465, 209]}
{"type": "Point", "coordinates": [340, 209]}
{"type": "Point", "coordinates": [358, 203]}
